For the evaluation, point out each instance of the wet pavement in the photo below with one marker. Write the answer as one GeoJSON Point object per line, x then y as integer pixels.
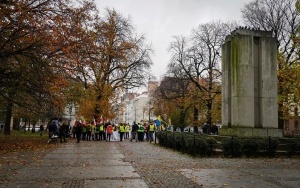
{"type": "Point", "coordinates": [92, 164]}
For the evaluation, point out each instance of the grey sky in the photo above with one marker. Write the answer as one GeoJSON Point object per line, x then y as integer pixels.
{"type": "Point", "coordinates": [159, 20]}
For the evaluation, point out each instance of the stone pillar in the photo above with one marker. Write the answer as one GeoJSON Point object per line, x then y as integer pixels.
{"type": "Point", "coordinates": [249, 85]}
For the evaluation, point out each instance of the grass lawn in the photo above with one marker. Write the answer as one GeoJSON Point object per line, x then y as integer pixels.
{"type": "Point", "coordinates": [21, 141]}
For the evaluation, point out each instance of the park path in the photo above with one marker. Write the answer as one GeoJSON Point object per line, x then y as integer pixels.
{"type": "Point", "coordinates": [92, 164]}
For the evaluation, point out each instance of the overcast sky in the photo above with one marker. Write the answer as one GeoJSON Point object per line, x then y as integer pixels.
{"type": "Point", "coordinates": [159, 20]}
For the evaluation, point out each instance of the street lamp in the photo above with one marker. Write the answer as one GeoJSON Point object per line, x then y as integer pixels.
{"type": "Point", "coordinates": [144, 110]}
{"type": "Point", "coordinates": [70, 110]}
{"type": "Point", "coordinates": [149, 109]}
{"type": "Point", "coordinates": [134, 105]}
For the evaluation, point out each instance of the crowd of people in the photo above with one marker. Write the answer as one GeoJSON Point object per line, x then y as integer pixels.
{"type": "Point", "coordinates": [92, 131]}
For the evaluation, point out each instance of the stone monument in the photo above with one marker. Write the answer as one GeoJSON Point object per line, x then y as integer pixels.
{"type": "Point", "coordinates": [249, 85]}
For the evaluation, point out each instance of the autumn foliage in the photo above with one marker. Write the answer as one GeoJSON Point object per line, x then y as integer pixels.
{"type": "Point", "coordinates": [55, 53]}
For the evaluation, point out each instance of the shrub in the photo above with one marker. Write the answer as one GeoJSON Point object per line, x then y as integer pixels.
{"type": "Point", "coordinates": [231, 147]}
{"type": "Point", "coordinates": [292, 146]}
{"type": "Point", "coordinates": [196, 146]}
{"type": "Point", "coordinates": [180, 142]}
{"type": "Point", "coordinates": [269, 146]}
{"type": "Point", "coordinates": [250, 147]}
{"type": "Point", "coordinates": [190, 147]}
{"type": "Point", "coordinates": [162, 137]}
{"type": "Point", "coordinates": [170, 140]}
{"type": "Point", "coordinates": [201, 147]}
{"type": "Point", "coordinates": [211, 146]}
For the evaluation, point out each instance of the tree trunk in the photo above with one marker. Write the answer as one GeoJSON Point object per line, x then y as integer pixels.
{"type": "Point", "coordinates": [195, 118]}
{"type": "Point", "coordinates": [280, 116]}
{"type": "Point", "coordinates": [8, 118]}
{"type": "Point", "coordinates": [181, 116]}
{"type": "Point", "coordinates": [209, 116]}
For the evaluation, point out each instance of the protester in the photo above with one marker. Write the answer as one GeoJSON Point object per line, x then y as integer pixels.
{"type": "Point", "coordinates": [127, 129]}
{"type": "Point", "coordinates": [41, 129]}
{"type": "Point", "coordinates": [146, 131]}
{"type": "Point", "coordinates": [102, 132]}
{"type": "Point", "coordinates": [96, 131]}
{"type": "Point", "coordinates": [109, 131]}
{"type": "Point", "coordinates": [116, 132]}
{"type": "Point", "coordinates": [134, 130]}
{"type": "Point", "coordinates": [122, 131]}
{"type": "Point", "coordinates": [78, 130]}
{"type": "Point", "coordinates": [52, 130]}
{"type": "Point", "coordinates": [89, 131]}
{"type": "Point", "coordinates": [140, 132]}
{"type": "Point", "coordinates": [62, 132]}
{"type": "Point", "coordinates": [151, 129]}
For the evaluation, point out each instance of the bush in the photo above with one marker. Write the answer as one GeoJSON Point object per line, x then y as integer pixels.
{"type": "Point", "coordinates": [170, 142]}
{"type": "Point", "coordinates": [196, 146]}
{"type": "Point", "coordinates": [190, 149]}
{"type": "Point", "coordinates": [201, 147]}
{"type": "Point", "coordinates": [250, 147]}
{"type": "Point", "coordinates": [292, 146]}
{"type": "Point", "coordinates": [231, 147]}
{"type": "Point", "coordinates": [180, 143]}
{"type": "Point", "coordinates": [269, 146]}
{"type": "Point", "coordinates": [162, 137]}
{"type": "Point", "coordinates": [211, 146]}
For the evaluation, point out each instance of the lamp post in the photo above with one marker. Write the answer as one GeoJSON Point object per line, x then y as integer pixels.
{"type": "Point", "coordinates": [70, 110]}
{"type": "Point", "coordinates": [134, 105]}
{"type": "Point", "coordinates": [144, 110]}
{"type": "Point", "coordinates": [149, 110]}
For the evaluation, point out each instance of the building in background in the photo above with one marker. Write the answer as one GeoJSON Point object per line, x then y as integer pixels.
{"type": "Point", "coordinates": [136, 107]}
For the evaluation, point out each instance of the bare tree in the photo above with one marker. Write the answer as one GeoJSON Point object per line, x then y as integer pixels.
{"type": "Point", "coordinates": [278, 16]}
{"type": "Point", "coordinates": [199, 58]}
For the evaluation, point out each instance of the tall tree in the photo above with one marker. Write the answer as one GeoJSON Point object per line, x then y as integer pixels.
{"type": "Point", "coordinates": [118, 60]}
{"type": "Point", "coordinates": [36, 42]}
{"type": "Point", "coordinates": [199, 58]}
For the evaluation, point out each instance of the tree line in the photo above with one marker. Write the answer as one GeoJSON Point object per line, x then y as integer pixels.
{"type": "Point", "coordinates": [190, 93]}
{"type": "Point", "coordinates": [56, 53]}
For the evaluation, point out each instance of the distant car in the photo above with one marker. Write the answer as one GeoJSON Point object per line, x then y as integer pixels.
{"type": "Point", "coordinates": [30, 128]}
{"type": "Point", "coordinates": [188, 129]}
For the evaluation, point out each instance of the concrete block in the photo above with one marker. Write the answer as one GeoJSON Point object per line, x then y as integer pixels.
{"type": "Point", "coordinates": [249, 81]}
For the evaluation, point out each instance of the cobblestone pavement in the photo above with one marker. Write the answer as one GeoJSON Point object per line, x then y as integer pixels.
{"type": "Point", "coordinates": [161, 167]}
{"type": "Point", "coordinates": [141, 164]}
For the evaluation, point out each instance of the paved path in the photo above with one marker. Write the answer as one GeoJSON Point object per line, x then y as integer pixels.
{"type": "Point", "coordinates": [92, 164]}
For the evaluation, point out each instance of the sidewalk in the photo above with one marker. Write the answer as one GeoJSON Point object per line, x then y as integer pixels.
{"type": "Point", "coordinates": [92, 164]}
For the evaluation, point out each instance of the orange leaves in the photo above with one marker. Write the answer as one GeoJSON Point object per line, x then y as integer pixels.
{"type": "Point", "coordinates": [21, 141]}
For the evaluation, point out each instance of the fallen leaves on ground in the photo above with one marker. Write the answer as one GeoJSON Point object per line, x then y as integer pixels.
{"type": "Point", "coordinates": [23, 147]}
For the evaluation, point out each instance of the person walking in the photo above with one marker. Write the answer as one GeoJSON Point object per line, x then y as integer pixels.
{"type": "Point", "coordinates": [78, 131]}
{"type": "Point", "coordinates": [151, 129]}
{"type": "Point", "coordinates": [127, 129]}
{"type": "Point", "coordinates": [140, 133]}
{"type": "Point", "coordinates": [96, 131]}
{"type": "Point", "coordinates": [109, 131]}
{"type": "Point", "coordinates": [73, 131]}
{"type": "Point", "coordinates": [101, 132]}
{"type": "Point", "coordinates": [115, 132]}
{"type": "Point", "coordinates": [41, 129]}
{"type": "Point", "coordinates": [146, 128]}
{"type": "Point", "coordinates": [122, 131]}
{"type": "Point", "coordinates": [89, 131]}
{"type": "Point", "coordinates": [62, 132]}
{"type": "Point", "coordinates": [52, 129]}
{"type": "Point", "coordinates": [134, 130]}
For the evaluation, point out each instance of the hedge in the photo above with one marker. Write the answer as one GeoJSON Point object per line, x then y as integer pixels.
{"type": "Point", "coordinates": [203, 145]}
